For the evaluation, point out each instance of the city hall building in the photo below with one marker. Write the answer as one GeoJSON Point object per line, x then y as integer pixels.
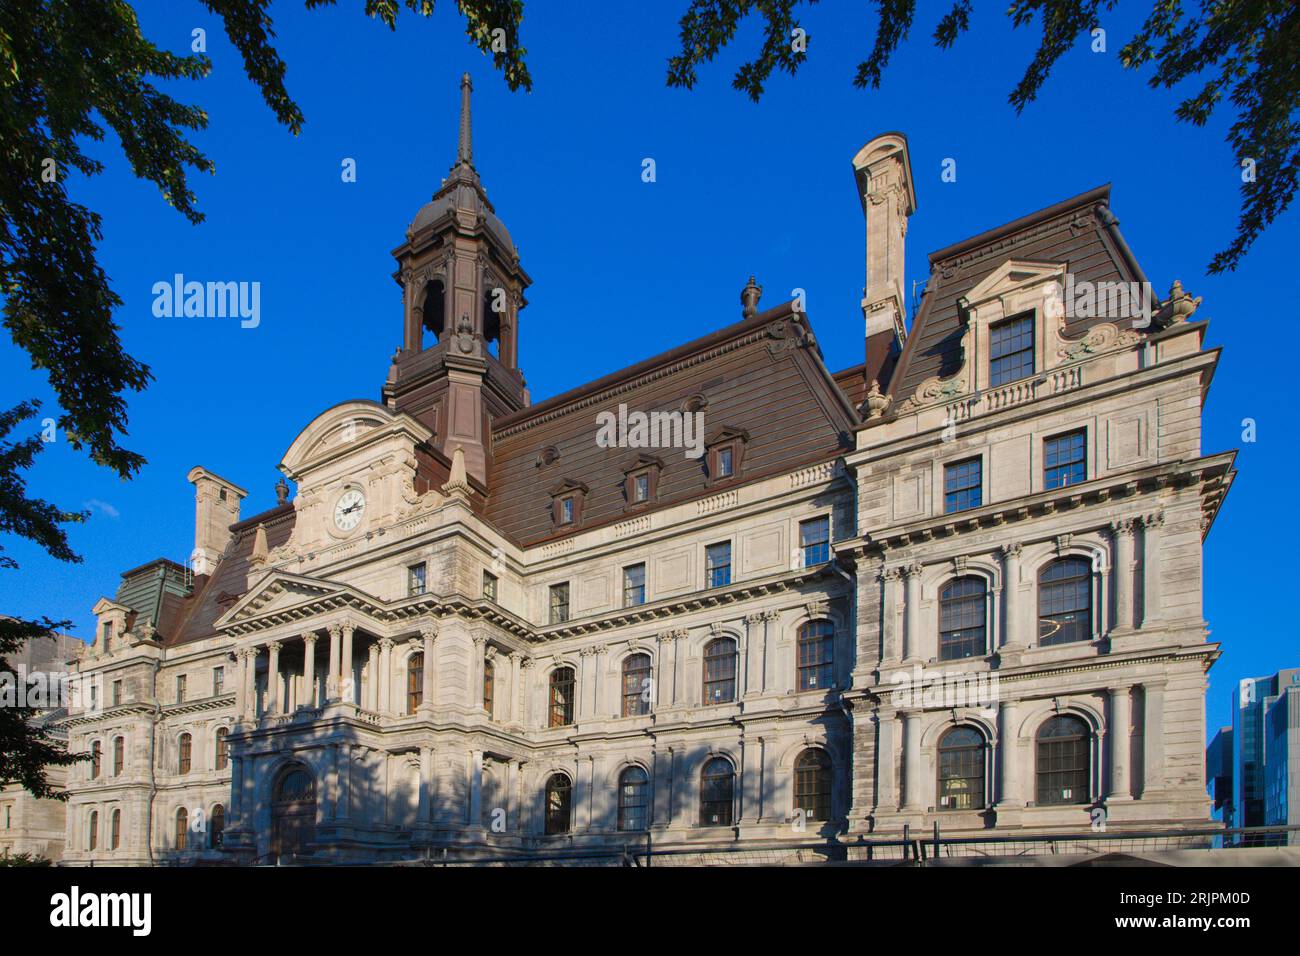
{"type": "Point", "coordinates": [958, 582]}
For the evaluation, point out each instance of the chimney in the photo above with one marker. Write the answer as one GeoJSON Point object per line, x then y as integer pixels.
{"type": "Point", "coordinates": [884, 176]}
{"type": "Point", "coordinates": [216, 508]}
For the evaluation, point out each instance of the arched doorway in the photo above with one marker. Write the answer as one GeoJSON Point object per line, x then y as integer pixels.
{"type": "Point", "coordinates": [293, 813]}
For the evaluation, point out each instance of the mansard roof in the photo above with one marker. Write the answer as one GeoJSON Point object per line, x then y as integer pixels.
{"type": "Point", "coordinates": [763, 375]}
{"type": "Point", "coordinates": [1080, 233]}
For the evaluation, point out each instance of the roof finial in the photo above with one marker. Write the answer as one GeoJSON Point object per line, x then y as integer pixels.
{"type": "Point", "coordinates": [465, 154]}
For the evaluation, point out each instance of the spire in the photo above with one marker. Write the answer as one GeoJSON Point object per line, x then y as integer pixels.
{"type": "Point", "coordinates": [465, 152]}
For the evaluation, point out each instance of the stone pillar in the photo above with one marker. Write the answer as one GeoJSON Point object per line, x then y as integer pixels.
{"type": "Point", "coordinates": [250, 682]}
{"type": "Point", "coordinates": [476, 671]}
{"type": "Point", "coordinates": [912, 612]}
{"type": "Point", "coordinates": [371, 697]}
{"type": "Point", "coordinates": [499, 681]}
{"type": "Point", "coordinates": [584, 684]}
{"type": "Point", "coordinates": [751, 780]}
{"type": "Point", "coordinates": [887, 761]}
{"type": "Point", "coordinates": [385, 675]}
{"type": "Point", "coordinates": [428, 637]}
{"type": "Point", "coordinates": [1122, 534]}
{"type": "Point", "coordinates": [1153, 737]}
{"type": "Point", "coordinates": [515, 715]}
{"type": "Point", "coordinates": [309, 668]}
{"type": "Point", "coordinates": [476, 788]}
{"type": "Point", "coordinates": [598, 677]}
{"type": "Point", "coordinates": [912, 760]}
{"type": "Point", "coordinates": [753, 674]}
{"type": "Point", "coordinates": [1151, 525]}
{"type": "Point", "coordinates": [526, 691]}
{"type": "Point", "coordinates": [332, 678]}
{"type": "Point", "coordinates": [664, 690]}
{"type": "Point", "coordinates": [890, 640]}
{"type": "Point", "coordinates": [1118, 734]}
{"type": "Point", "coordinates": [1012, 612]}
{"type": "Point", "coordinates": [1008, 758]}
{"type": "Point", "coordinates": [273, 697]}
{"type": "Point", "coordinates": [347, 683]}
{"type": "Point", "coordinates": [241, 696]}
{"type": "Point", "coordinates": [424, 807]}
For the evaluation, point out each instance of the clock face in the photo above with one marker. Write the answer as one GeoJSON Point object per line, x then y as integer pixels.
{"type": "Point", "coordinates": [349, 509]}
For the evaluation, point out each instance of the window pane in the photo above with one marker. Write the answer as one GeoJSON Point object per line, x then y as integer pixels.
{"type": "Point", "coordinates": [1011, 350]}
{"type": "Point", "coordinates": [720, 671]}
{"type": "Point", "coordinates": [641, 488]}
{"type": "Point", "coordinates": [812, 785]}
{"type": "Point", "coordinates": [725, 462]}
{"type": "Point", "coordinates": [636, 685]}
{"type": "Point", "coordinates": [559, 603]}
{"type": "Point", "coordinates": [633, 799]}
{"type": "Point", "coordinates": [559, 794]}
{"type": "Point", "coordinates": [961, 770]}
{"type": "Point", "coordinates": [816, 654]}
{"type": "Point", "coordinates": [961, 485]}
{"type": "Point", "coordinates": [718, 564]}
{"type": "Point", "coordinates": [962, 617]}
{"type": "Point", "coordinates": [1065, 602]}
{"type": "Point", "coordinates": [1064, 460]}
{"type": "Point", "coordinates": [415, 579]}
{"type": "Point", "coordinates": [634, 585]}
{"type": "Point", "coordinates": [717, 785]}
{"type": "Point", "coordinates": [815, 539]}
{"type": "Point", "coordinates": [561, 697]}
{"type": "Point", "coordinates": [1063, 768]}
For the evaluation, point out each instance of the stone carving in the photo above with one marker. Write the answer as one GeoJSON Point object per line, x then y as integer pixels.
{"type": "Point", "coordinates": [876, 404]}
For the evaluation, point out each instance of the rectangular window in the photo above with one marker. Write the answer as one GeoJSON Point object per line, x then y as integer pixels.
{"type": "Point", "coordinates": [815, 540]}
{"type": "Point", "coordinates": [415, 579]}
{"type": "Point", "coordinates": [1064, 459]}
{"type": "Point", "coordinates": [559, 603]}
{"type": "Point", "coordinates": [180, 688]}
{"type": "Point", "coordinates": [566, 510]}
{"type": "Point", "coordinates": [218, 681]}
{"type": "Point", "coordinates": [117, 692]}
{"type": "Point", "coordinates": [1011, 350]}
{"type": "Point", "coordinates": [961, 485]}
{"type": "Point", "coordinates": [489, 585]}
{"type": "Point", "coordinates": [108, 634]}
{"type": "Point", "coordinates": [640, 488]}
{"type": "Point", "coordinates": [718, 564]}
{"type": "Point", "coordinates": [726, 462]}
{"type": "Point", "coordinates": [634, 585]}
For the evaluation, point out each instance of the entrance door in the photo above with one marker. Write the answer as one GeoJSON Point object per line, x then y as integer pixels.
{"type": "Point", "coordinates": [293, 814]}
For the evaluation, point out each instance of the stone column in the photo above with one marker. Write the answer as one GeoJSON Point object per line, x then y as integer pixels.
{"type": "Point", "coordinates": [332, 678]}
{"type": "Point", "coordinates": [1011, 609]}
{"type": "Point", "coordinates": [1118, 734]}
{"type": "Point", "coordinates": [1008, 763]}
{"type": "Point", "coordinates": [273, 700]}
{"type": "Point", "coordinates": [890, 640]}
{"type": "Point", "coordinates": [887, 761]}
{"type": "Point", "coordinates": [428, 637]}
{"type": "Point", "coordinates": [516, 659]}
{"type": "Point", "coordinates": [753, 674]}
{"type": "Point", "coordinates": [250, 681]}
{"type": "Point", "coordinates": [347, 683]}
{"type": "Point", "coordinates": [372, 669]}
{"type": "Point", "coordinates": [912, 761]}
{"type": "Point", "coordinates": [912, 613]}
{"type": "Point", "coordinates": [385, 684]}
{"type": "Point", "coordinates": [1122, 534]}
{"type": "Point", "coordinates": [526, 691]}
{"type": "Point", "coordinates": [499, 681]}
{"type": "Point", "coordinates": [424, 808]}
{"type": "Point", "coordinates": [241, 684]}
{"type": "Point", "coordinates": [476, 672]}
{"type": "Point", "coordinates": [1153, 737]}
{"type": "Point", "coordinates": [476, 788]}
{"type": "Point", "coordinates": [598, 666]}
{"type": "Point", "coordinates": [309, 668]}
{"type": "Point", "coordinates": [664, 681]}
{"type": "Point", "coordinates": [584, 683]}
{"type": "Point", "coordinates": [1151, 526]}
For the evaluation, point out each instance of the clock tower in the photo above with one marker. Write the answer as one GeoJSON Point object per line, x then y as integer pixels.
{"type": "Point", "coordinates": [462, 292]}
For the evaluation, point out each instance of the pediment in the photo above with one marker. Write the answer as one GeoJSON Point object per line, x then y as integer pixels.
{"type": "Point", "coordinates": [279, 592]}
{"type": "Point", "coordinates": [1012, 275]}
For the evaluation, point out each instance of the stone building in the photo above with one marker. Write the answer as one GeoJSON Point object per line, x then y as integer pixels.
{"type": "Point", "coordinates": [722, 596]}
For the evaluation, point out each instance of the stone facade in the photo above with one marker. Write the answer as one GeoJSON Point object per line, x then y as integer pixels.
{"type": "Point", "coordinates": [471, 627]}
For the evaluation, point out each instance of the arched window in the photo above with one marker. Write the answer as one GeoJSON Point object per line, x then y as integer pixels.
{"type": "Point", "coordinates": [216, 826]}
{"type": "Point", "coordinates": [93, 843]}
{"type": "Point", "coordinates": [414, 682]}
{"type": "Point", "coordinates": [561, 708]}
{"type": "Point", "coordinates": [433, 306]}
{"type": "Point", "coordinates": [115, 830]}
{"type": "Point", "coordinates": [185, 753]}
{"type": "Point", "coordinates": [633, 799]}
{"type": "Point", "coordinates": [223, 748]}
{"type": "Point", "coordinates": [720, 671]}
{"type": "Point", "coordinates": [559, 801]}
{"type": "Point", "coordinates": [119, 754]}
{"type": "Point", "coordinates": [489, 677]}
{"type": "Point", "coordinates": [812, 784]}
{"type": "Point", "coordinates": [1063, 761]}
{"type": "Point", "coordinates": [636, 685]}
{"type": "Point", "coordinates": [1065, 602]}
{"type": "Point", "coordinates": [182, 828]}
{"type": "Point", "coordinates": [717, 789]}
{"type": "Point", "coordinates": [295, 786]}
{"type": "Point", "coordinates": [816, 651]}
{"type": "Point", "coordinates": [961, 769]}
{"type": "Point", "coordinates": [96, 758]}
{"type": "Point", "coordinates": [962, 616]}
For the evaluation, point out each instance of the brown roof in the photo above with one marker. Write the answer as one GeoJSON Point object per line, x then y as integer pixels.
{"type": "Point", "coordinates": [754, 375]}
{"type": "Point", "coordinates": [1079, 232]}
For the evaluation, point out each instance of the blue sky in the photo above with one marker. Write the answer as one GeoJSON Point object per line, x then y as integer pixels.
{"type": "Point", "coordinates": [623, 269]}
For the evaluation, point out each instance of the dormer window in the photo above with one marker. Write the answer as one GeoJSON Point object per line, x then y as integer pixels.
{"type": "Point", "coordinates": [108, 636]}
{"type": "Point", "coordinates": [641, 479]}
{"type": "Point", "coordinates": [726, 453]}
{"type": "Point", "coordinates": [1011, 350]}
{"type": "Point", "coordinates": [566, 503]}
